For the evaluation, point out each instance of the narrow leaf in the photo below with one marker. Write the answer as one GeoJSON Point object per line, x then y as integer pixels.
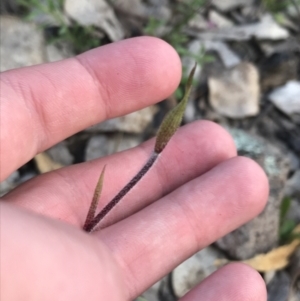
{"type": "Point", "coordinates": [173, 119]}
{"type": "Point", "coordinates": [93, 207]}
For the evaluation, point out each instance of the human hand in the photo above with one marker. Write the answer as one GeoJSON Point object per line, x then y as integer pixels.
{"type": "Point", "coordinates": [197, 192]}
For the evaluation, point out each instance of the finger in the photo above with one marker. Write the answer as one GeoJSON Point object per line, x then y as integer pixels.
{"type": "Point", "coordinates": [66, 194]}
{"type": "Point", "coordinates": [185, 221]}
{"type": "Point", "coordinates": [234, 282]}
{"type": "Point", "coordinates": [42, 105]}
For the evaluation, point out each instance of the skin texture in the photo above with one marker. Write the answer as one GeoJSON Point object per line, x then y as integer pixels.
{"type": "Point", "coordinates": [196, 192]}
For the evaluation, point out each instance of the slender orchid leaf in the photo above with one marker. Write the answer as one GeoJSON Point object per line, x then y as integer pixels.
{"type": "Point", "coordinates": [93, 207]}
{"type": "Point", "coordinates": [166, 131]}
{"type": "Point", "coordinates": [173, 119]}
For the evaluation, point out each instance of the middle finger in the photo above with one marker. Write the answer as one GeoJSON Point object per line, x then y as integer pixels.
{"type": "Point", "coordinates": [66, 194]}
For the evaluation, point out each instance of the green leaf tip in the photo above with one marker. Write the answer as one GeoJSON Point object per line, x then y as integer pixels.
{"type": "Point", "coordinates": [173, 119]}
{"type": "Point", "coordinates": [93, 207]}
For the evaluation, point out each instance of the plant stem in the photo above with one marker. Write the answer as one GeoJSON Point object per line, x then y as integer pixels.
{"type": "Point", "coordinates": [89, 227]}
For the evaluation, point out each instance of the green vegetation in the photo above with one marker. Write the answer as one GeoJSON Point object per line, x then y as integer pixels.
{"type": "Point", "coordinates": [287, 226]}
{"type": "Point", "coordinates": [81, 38]}
{"type": "Point", "coordinates": [165, 132]}
{"type": "Point", "coordinates": [275, 6]}
{"type": "Point", "coordinates": [175, 35]}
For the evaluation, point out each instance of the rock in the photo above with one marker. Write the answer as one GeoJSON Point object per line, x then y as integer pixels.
{"type": "Point", "coordinates": [278, 288]}
{"type": "Point", "coordinates": [9, 183]}
{"type": "Point", "coordinates": [294, 210]}
{"type": "Point", "coordinates": [27, 176]}
{"type": "Point", "coordinates": [97, 13]}
{"type": "Point", "coordinates": [292, 187]}
{"type": "Point", "coordinates": [295, 289]}
{"type": "Point", "coordinates": [292, 190]}
{"type": "Point", "coordinates": [235, 93]}
{"type": "Point", "coordinates": [261, 234]}
{"type": "Point", "coordinates": [8, 6]}
{"type": "Point", "coordinates": [154, 8]}
{"type": "Point", "coordinates": [61, 154]}
{"type": "Point", "coordinates": [134, 123]}
{"type": "Point", "coordinates": [194, 270]}
{"type": "Point", "coordinates": [226, 5]}
{"type": "Point", "coordinates": [266, 29]}
{"type": "Point", "coordinates": [199, 22]}
{"type": "Point", "coordinates": [135, 7]}
{"type": "Point", "coordinates": [228, 57]}
{"type": "Point", "coordinates": [21, 44]}
{"type": "Point", "coordinates": [103, 145]}
{"type": "Point", "coordinates": [151, 294]}
{"type": "Point", "coordinates": [159, 9]}
{"type": "Point", "coordinates": [287, 98]}
{"type": "Point", "coordinates": [291, 45]}
{"type": "Point", "coordinates": [44, 17]}
{"type": "Point", "coordinates": [45, 163]}
{"type": "Point", "coordinates": [59, 52]}
{"type": "Point", "coordinates": [278, 69]}
{"type": "Point", "coordinates": [165, 290]}
{"type": "Point", "coordinates": [219, 20]}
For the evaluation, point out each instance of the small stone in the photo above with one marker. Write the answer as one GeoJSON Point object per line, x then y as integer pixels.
{"type": "Point", "coordinates": [58, 52]}
{"type": "Point", "coordinates": [199, 22]}
{"type": "Point", "coordinates": [134, 123]}
{"type": "Point", "coordinates": [295, 275]}
{"type": "Point", "coordinates": [103, 145]}
{"type": "Point", "coordinates": [294, 210]}
{"type": "Point", "coordinates": [228, 57]}
{"type": "Point", "coordinates": [46, 19]}
{"type": "Point", "coordinates": [21, 44]}
{"type": "Point", "coordinates": [261, 234]}
{"type": "Point", "coordinates": [152, 293]}
{"type": "Point", "coordinates": [287, 98]}
{"type": "Point", "coordinates": [219, 20]}
{"type": "Point", "coordinates": [135, 7]}
{"type": "Point", "coordinates": [97, 13]}
{"type": "Point", "coordinates": [61, 154]}
{"type": "Point", "coordinates": [9, 183]}
{"type": "Point", "coordinates": [266, 29]}
{"type": "Point", "coordinates": [278, 288]}
{"type": "Point", "coordinates": [277, 69]}
{"type": "Point", "coordinates": [226, 5]}
{"type": "Point", "coordinates": [235, 93]}
{"type": "Point", "coordinates": [165, 290]}
{"type": "Point", "coordinates": [194, 270]}
{"type": "Point", "coordinates": [293, 185]}
{"type": "Point", "coordinates": [8, 6]}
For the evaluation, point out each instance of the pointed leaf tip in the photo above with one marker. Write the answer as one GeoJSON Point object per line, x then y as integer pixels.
{"type": "Point", "coordinates": [173, 119]}
{"type": "Point", "coordinates": [93, 207]}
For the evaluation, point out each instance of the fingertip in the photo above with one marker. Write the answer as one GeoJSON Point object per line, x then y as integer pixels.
{"type": "Point", "coordinates": [254, 287]}
{"type": "Point", "coordinates": [242, 282]}
{"type": "Point", "coordinates": [254, 181]}
{"type": "Point", "coordinates": [234, 282]}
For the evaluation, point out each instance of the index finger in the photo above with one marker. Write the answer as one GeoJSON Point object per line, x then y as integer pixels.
{"type": "Point", "coordinates": [44, 104]}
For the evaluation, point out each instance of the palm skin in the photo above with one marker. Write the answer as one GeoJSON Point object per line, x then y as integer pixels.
{"type": "Point", "coordinates": [198, 190]}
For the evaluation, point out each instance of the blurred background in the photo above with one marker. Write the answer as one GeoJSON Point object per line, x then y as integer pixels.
{"type": "Point", "coordinates": [248, 80]}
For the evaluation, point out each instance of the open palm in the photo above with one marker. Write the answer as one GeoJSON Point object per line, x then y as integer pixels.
{"type": "Point", "coordinates": [198, 190]}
